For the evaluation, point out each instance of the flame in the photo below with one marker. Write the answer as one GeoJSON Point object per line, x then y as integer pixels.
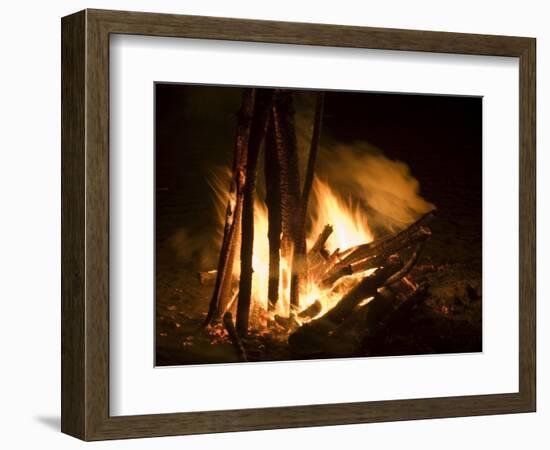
{"type": "Point", "coordinates": [350, 223]}
{"type": "Point", "coordinates": [350, 228]}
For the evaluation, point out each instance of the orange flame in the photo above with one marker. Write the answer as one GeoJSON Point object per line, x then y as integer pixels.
{"type": "Point", "coordinates": [350, 223]}
{"type": "Point", "coordinates": [350, 228]}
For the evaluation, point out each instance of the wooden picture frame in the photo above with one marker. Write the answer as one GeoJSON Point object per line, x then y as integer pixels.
{"type": "Point", "coordinates": [85, 224]}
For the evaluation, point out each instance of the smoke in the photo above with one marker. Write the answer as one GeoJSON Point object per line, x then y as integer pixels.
{"type": "Point", "coordinates": [190, 246]}
{"type": "Point", "coordinates": [385, 187]}
{"type": "Point", "coordinates": [359, 172]}
{"type": "Point", "coordinates": [198, 244]}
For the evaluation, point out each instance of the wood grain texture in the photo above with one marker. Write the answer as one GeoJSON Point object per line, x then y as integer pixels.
{"type": "Point", "coordinates": [97, 226]}
{"type": "Point", "coordinates": [307, 33]}
{"type": "Point", "coordinates": [73, 110]}
{"type": "Point", "coordinates": [85, 224]}
{"type": "Point", "coordinates": [527, 224]}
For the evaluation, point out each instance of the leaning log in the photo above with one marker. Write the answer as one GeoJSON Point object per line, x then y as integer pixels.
{"type": "Point", "coordinates": [342, 269]}
{"type": "Point", "coordinates": [318, 256]}
{"type": "Point", "coordinates": [352, 269]}
{"type": "Point", "coordinates": [383, 245]}
{"type": "Point", "coordinates": [373, 256]}
{"type": "Point", "coordinates": [319, 246]}
{"type": "Point", "coordinates": [234, 336]}
{"type": "Point", "coordinates": [293, 236]}
{"type": "Point", "coordinates": [308, 180]}
{"type": "Point", "coordinates": [312, 337]}
{"type": "Point", "coordinates": [313, 150]}
{"type": "Point", "coordinates": [272, 170]}
{"type": "Point", "coordinates": [326, 267]}
{"type": "Point", "coordinates": [366, 288]}
{"type": "Point", "coordinates": [300, 253]}
{"type": "Point", "coordinates": [257, 134]}
{"type": "Point", "coordinates": [230, 243]}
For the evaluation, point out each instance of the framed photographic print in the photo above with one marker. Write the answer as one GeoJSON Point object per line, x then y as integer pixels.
{"type": "Point", "coordinates": [270, 224]}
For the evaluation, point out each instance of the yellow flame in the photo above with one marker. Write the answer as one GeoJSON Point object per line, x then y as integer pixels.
{"type": "Point", "coordinates": [350, 228]}
{"type": "Point", "coordinates": [350, 223]}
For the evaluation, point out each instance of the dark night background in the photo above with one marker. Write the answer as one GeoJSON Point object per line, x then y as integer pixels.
{"type": "Point", "coordinates": [438, 137]}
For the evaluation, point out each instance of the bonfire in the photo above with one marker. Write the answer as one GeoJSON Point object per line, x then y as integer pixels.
{"type": "Point", "coordinates": [289, 272]}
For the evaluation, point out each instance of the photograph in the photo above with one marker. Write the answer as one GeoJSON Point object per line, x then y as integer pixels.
{"type": "Point", "coordinates": [303, 224]}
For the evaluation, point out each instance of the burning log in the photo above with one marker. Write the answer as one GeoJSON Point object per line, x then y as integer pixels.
{"type": "Point", "coordinates": [312, 337]}
{"type": "Point", "coordinates": [273, 202]}
{"type": "Point", "coordinates": [288, 324]}
{"type": "Point", "coordinates": [234, 336]}
{"type": "Point", "coordinates": [300, 250]}
{"type": "Point", "coordinates": [311, 311]}
{"type": "Point", "coordinates": [257, 133]}
{"type": "Point", "coordinates": [341, 270]}
{"type": "Point", "coordinates": [366, 288]}
{"type": "Point", "coordinates": [373, 254]}
{"type": "Point", "coordinates": [293, 235]}
{"type": "Point", "coordinates": [334, 257]}
{"type": "Point", "coordinates": [354, 268]}
{"type": "Point", "coordinates": [230, 243]}
{"type": "Point", "coordinates": [326, 266]}
{"type": "Point", "coordinates": [318, 256]}
{"type": "Point", "coordinates": [386, 244]}
{"type": "Point", "coordinates": [314, 146]}
{"type": "Point", "coordinates": [319, 246]}
{"type": "Point", "coordinates": [310, 170]}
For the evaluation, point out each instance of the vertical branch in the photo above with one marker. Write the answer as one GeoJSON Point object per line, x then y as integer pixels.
{"type": "Point", "coordinates": [287, 155]}
{"type": "Point", "coordinates": [313, 149]}
{"type": "Point", "coordinates": [231, 236]}
{"type": "Point", "coordinates": [308, 181]}
{"type": "Point", "coordinates": [257, 134]}
{"type": "Point", "coordinates": [273, 202]}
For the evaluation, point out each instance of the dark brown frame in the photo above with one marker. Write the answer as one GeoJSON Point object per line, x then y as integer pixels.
{"type": "Point", "coordinates": [85, 224]}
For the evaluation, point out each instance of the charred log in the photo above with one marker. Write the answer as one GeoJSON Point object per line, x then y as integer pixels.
{"type": "Point", "coordinates": [352, 269]}
{"type": "Point", "coordinates": [273, 202]}
{"type": "Point", "coordinates": [318, 256]}
{"type": "Point", "coordinates": [386, 244]}
{"type": "Point", "coordinates": [314, 147]}
{"type": "Point", "coordinates": [326, 267]}
{"type": "Point", "coordinates": [257, 134]}
{"type": "Point", "coordinates": [300, 250]}
{"type": "Point", "coordinates": [319, 244]}
{"type": "Point", "coordinates": [289, 324]}
{"type": "Point", "coordinates": [366, 288]}
{"type": "Point", "coordinates": [234, 336]}
{"type": "Point", "coordinates": [376, 253]}
{"type": "Point", "coordinates": [230, 243]}
{"type": "Point", "coordinates": [311, 311]}
{"type": "Point", "coordinates": [408, 265]}
{"type": "Point", "coordinates": [293, 235]}
{"type": "Point", "coordinates": [313, 336]}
